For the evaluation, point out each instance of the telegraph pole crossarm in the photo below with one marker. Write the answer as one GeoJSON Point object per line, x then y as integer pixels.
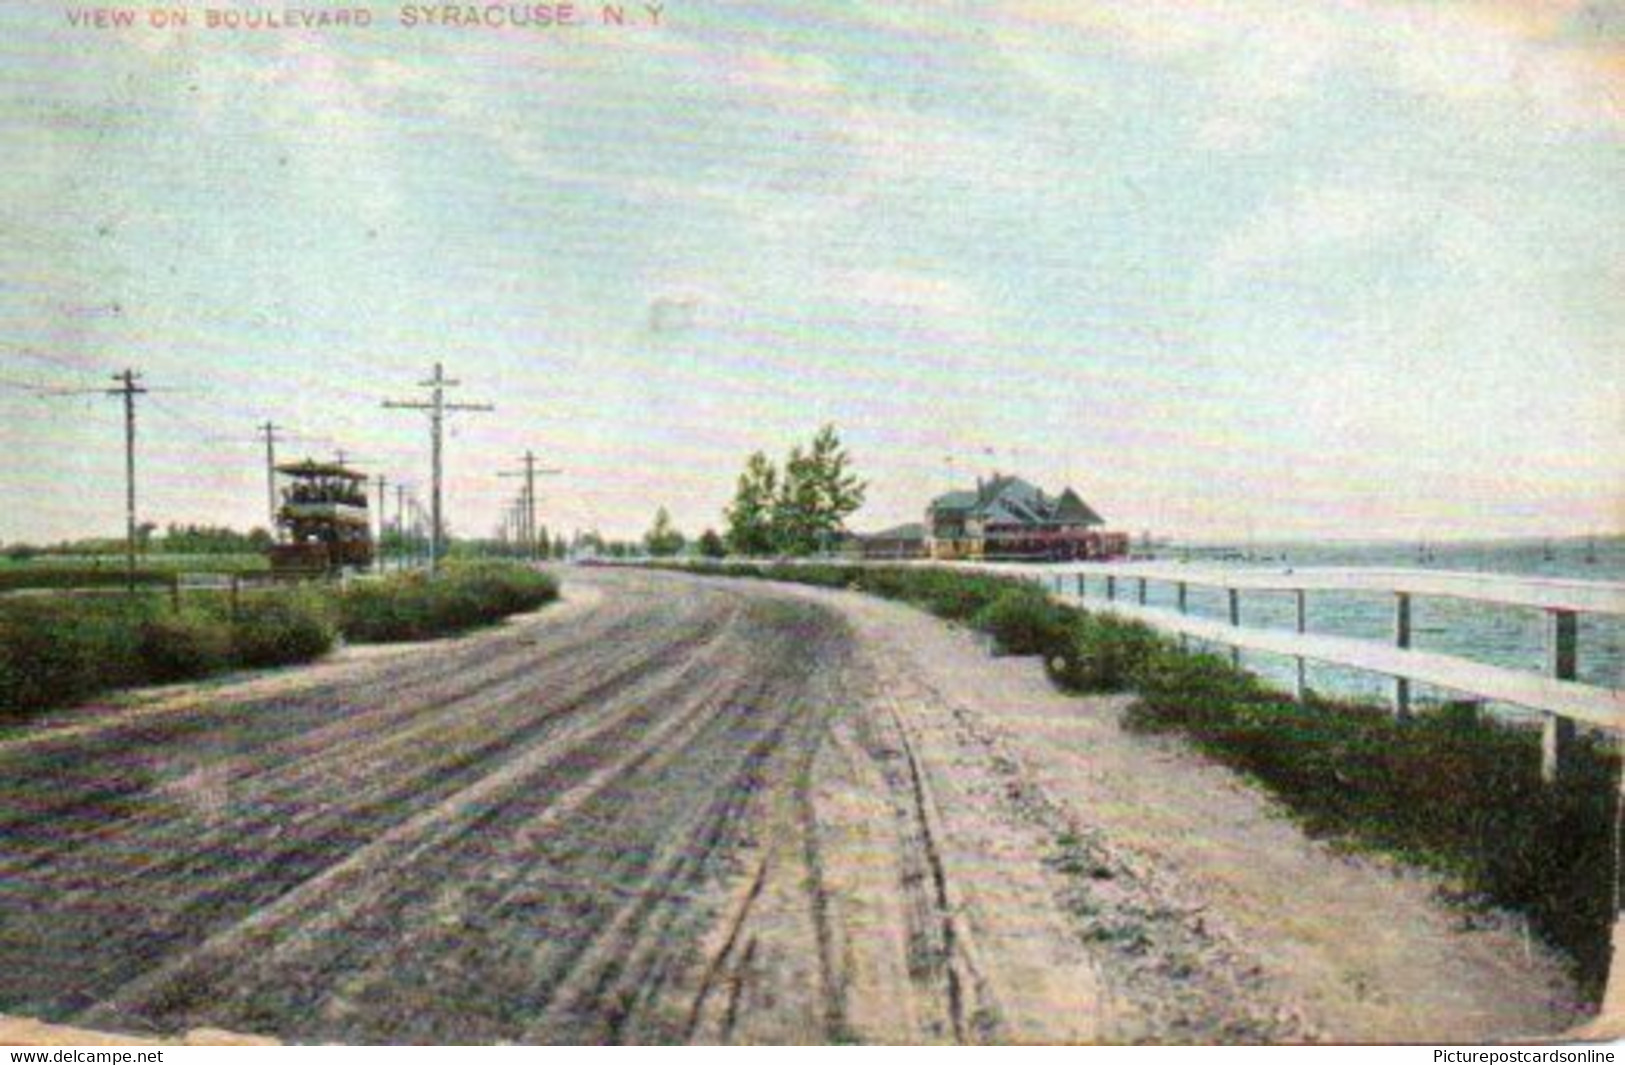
{"type": "Point", "coordinates": [527, 499]}
{"type": "Point", "coordinates": [128, 386]}
{"type": "Point", "coordinates": [437, 409]}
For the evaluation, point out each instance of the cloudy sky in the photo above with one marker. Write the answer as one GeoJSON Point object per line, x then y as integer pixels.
{"type": "Point", "coordinates": [1309, 268]}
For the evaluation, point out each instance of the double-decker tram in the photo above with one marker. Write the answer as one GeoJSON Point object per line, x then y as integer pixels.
{"type": "Point", "coordinates": [322, 524]}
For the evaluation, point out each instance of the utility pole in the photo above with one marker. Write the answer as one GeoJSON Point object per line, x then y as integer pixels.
{"type": "Point", "coordinates": [128, 388]}
{"type": "Point", "coordinates": [400, 523]}
{"type": "Point", "coordinates": [383, 484]}
{"type": "Point", "coordinates": [269, 431]}
{"type": "Point", "coordinates": [527, 499]}
{"type": "Point", "coordinates": [438, 408]}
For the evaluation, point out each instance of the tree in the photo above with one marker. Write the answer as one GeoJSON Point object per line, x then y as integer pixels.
{"type": "Point", "coordinates": [801, 511]}
{"type": "Point", "coordinates": [818, 494]}
{"type": "Point", "coordinates": [712, 545]}
{"type": "Point", "coordinates": [796, 510]}
{"type": "Point", "coordinates": [663, 540]}
{"type": "Point", "coordinates": [751, 517]}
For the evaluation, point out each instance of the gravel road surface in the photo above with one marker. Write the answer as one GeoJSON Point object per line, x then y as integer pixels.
{"type": "Point", "coordinates": [675, 809]}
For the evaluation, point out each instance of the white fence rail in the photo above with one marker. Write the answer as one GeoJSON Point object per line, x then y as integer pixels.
{"type": "Point", "coordinates": [1556, 694]}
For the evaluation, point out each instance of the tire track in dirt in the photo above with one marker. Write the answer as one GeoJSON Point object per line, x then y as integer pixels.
{"type": "Point", "coordinates": [683, 810]}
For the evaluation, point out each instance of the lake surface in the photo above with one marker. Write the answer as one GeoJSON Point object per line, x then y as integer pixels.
{"type": "Point", "coordinates": [1505, 636]}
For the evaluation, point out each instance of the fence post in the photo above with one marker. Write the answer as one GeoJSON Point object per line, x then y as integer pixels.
{"type": "Point", "coordinates": [1080, 587]}
{"type": "Point", "coordinates": [236, 594]}
{"type": "Point", "coordinates": [1234, 597]}
{"type": "Point", "coordinates": [175, 592]}
{"type": "Point", "coordinates": [1142, 591]}
{"type": "Point", "coordinates": [1300, 687]}
{"type": "Point", "coordinates": [1111, 587]}
{"type": "Point", "coordinates": [1184, 597]}
{"type": "Point", "coordinates": [1402, 639]}
{"type": "Point", "coordinates": [1563, 660]}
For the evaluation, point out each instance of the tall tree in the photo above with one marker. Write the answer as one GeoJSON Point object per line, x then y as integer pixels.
{"type": "Point", "coordinates": [750, 517]}
{"type": "Point", "coordinates": [663, 539]}
{"type": "Point", "coordinates": [819, 493]}
{"type": "Point", "coordinates": [796, 510]}
{"type": "Point", "coordinates": [712, 545]}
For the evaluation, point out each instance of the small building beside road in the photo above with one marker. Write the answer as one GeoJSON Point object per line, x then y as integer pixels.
{"type": "Point", "coordinates": [899, 542]}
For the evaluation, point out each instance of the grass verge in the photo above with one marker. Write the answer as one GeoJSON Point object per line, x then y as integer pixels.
{"type": "Point", "coordinates": [57, 651]}
{"type": "Point", "coordinates": [1449, 789]}
{"type": "Point", "coordinates": [50, 572]}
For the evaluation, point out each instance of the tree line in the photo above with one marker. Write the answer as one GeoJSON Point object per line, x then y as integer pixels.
{"type": "Point", "coordinates": [174, 539]}
{"type": "Point", "coordinates": [797, 507]}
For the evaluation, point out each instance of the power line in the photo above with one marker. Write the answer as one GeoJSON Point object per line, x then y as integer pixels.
{"type": "Point", "coordinates": [526, 517]}
{"type": "Point", "coordinates": [438, 408]}
{"type": "Point", "coordinates": [129, 387]}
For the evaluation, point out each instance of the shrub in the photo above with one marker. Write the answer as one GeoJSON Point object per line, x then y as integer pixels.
{"type": "Point", "coordinates": [56, 651]}
{"type": "Point", "coordinates": [1446, 789]}
{"type": "Point", "coordinates": [59, 650]}
{"type": "Point", "coordinates": [281, 628]}
{"type": "Point", "coordinates": [415, 607]}
{"type": "Point", "coordinates": [1025, 621]}
{"type": "Point", "coordinates": [179, 646]}
{"type": "Point", "coordinates": [1106, 654]}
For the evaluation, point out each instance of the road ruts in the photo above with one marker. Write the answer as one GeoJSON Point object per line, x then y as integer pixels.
{"type": "Point", "coordinates": [493, 839]}
{"type": "Point", "coordinates": [672, 809]}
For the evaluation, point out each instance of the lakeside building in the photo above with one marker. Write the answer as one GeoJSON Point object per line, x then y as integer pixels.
{"type": "Point", "coordinates": [1006, 517]}
{"type": "Point", "coordinates": [900, 542]}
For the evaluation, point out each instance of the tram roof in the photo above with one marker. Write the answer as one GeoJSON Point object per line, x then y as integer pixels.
{"type": "Point", "coordinates": [311, 468]}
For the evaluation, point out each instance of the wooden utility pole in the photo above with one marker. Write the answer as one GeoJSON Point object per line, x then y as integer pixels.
{"type": "Point", "coordinates": [268, 431]}
{"type": "Point", "coordinates": [129, 387]}
{"type": "Point", "coordinates": [438, 408]}
{"type": "Point", "coordinates": [383, 485]}
{"type": "Point", "coordinates": [400, 523]}
{"type": "Point", "coordinates": [527, 499]}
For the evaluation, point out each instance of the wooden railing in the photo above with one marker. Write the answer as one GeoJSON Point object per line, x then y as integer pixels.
{"type": "Point", "coordinates": [1556, 694]}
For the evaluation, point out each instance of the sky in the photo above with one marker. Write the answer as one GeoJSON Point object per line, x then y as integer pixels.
{"type": "Point", "coordinates": [1229, 267]}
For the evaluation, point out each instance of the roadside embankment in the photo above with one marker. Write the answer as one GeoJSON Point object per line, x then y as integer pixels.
{"type": "Point", "coordinates": [1449, 790]}
{"type": "Point", "coordinates": [57, 651]}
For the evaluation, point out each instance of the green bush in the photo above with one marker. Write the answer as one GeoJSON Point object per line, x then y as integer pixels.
{"type": "Point", "coordinates": [1025, 621]}
{"type": "Point", "coordinates": [281, 628]}
{"type": "Point", "coordinates": [180, 646]}
{"type": "Point", "coordinates": [59, 651]}
{"type": "Point", "coordinates": [416, 607]}
{"type": "Point", "coordinates": [1107, 654]}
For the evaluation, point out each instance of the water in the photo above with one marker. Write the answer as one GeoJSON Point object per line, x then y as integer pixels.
{"type": "Point", "coordinates": [1505, 636]}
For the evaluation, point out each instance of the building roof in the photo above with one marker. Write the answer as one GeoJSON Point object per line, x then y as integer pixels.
{"type": "Point", "coordinates": [1009, 500]}
{"type": "Point", "coordinates": [1070, 507]}
{"type": "Point", "coordinates": [311, 468]}
{"type": "Point", "coordinates": [912, 530]}
{"type": "Point", "coordinates": [955, 501]}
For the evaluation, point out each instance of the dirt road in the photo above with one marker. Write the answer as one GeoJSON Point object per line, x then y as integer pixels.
{"type": "Point", "coordinates": [673, 809]}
